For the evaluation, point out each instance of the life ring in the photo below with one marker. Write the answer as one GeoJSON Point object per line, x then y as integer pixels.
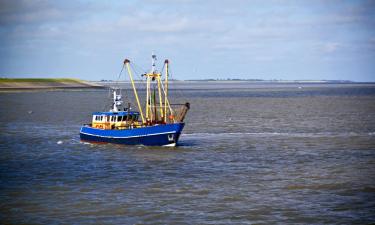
{"type": "Point", "coordinates": [99, 126]}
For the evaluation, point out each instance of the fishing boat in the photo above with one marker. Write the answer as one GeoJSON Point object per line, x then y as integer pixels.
{"type": "Point", "coordinates": [160, 123]}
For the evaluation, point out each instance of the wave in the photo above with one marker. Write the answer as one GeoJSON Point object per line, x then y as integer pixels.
{"type": "Point", "coordinates": [286, 134]}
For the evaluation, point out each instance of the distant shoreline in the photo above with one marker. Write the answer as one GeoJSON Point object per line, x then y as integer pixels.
{"type": "Point", "coordinates": [247, 81]}
{"type": "Point", "coordinates": [50, 84]}
{"type": "Point", "coordinates": [27, 84]}
{"type": "Point", "coordinates": [273, 81]}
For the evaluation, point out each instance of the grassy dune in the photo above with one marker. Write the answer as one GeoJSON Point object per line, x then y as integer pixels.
{"type": "Point", "coordinates": [2, 80]}
{"type": "Point", "coordinates": [44, 83]}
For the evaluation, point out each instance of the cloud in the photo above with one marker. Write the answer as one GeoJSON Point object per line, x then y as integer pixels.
{"type": "Point", "coordinates": [331, 47]}
{"type": "Point", "coordinates": [238, 30]}
{"type": "Point", "coordinates": [145, 22]}
{"type": "Point", "coordinates": [15, 13]}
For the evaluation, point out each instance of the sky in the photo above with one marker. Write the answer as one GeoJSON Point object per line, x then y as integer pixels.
{"type": "Point", "coordinates": [239, 39]}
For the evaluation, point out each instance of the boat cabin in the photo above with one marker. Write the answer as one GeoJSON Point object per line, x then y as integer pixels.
{"type": "Point", "coordinates": [115, 120]}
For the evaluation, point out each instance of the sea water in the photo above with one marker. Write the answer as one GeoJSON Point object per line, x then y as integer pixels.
{"type": "Point", "coordinates": [249, 153]}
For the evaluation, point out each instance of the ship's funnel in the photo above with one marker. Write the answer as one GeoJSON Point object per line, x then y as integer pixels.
{"type": "Point", "coordinates": [182, 112]}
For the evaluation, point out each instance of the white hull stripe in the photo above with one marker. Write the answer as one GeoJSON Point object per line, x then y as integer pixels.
{"type": "Point", "coordinates": [170, 145]}
{"type": "Point", "coordinates": [171, 132]}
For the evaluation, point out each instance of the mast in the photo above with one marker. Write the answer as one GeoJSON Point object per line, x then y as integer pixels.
{"type": "Point", "coordinates": [154, 105]}
{"type": "Point", "coordinates": [151, 103]}
{"type": "Point", "coordinates": [147, 97]}
{"type": "Point", "coordinates": [153, 61]}
{"type": "Point", "coordinates": [126, 62]}
{"type": "Point", "coordinates": [166, 62]}
{"type": "Point", "coordinates": [160, 98]}
{"type": "Point", "coordinates": [152, 114]}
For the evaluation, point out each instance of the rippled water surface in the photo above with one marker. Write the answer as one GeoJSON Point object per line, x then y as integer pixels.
{"type": "Point", "coordinates": [287, 153]}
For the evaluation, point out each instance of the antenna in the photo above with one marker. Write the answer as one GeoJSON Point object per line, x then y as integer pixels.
{"type": "Point", "coordinates": [117, 101]}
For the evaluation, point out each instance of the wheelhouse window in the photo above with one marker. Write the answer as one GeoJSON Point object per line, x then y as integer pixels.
{"type": "Point", "coordinates": [97, 118]}
{"type": "Point", "coordinates": [128, 118]}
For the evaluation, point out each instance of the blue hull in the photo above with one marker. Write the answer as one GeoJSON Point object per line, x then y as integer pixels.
{"type": "Point", "coordinates": [157, 135]}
